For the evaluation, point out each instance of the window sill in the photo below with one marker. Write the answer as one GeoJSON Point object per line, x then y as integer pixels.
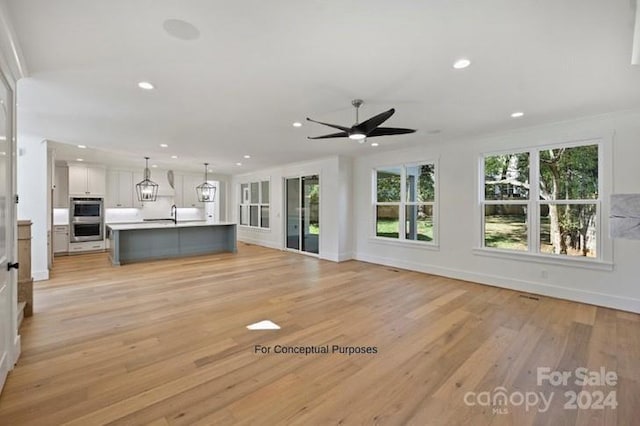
{"type": "Point", "coordinates": [405, 243]}
{"type": "Point", "coordinates": [575, 262]}
{"type": "Point", "coordinates": [253, 228]}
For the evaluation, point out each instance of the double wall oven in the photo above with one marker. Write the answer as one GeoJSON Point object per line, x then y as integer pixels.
{"type": "Point", "coordinates": [87, 219]}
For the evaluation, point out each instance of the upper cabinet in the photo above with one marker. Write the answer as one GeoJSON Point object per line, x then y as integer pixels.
{"type": "Point", "coordinates": [61, 188]}
{"type": "Point", "coordinates": [120, 189]}
{"type": "Point", "coordinates": [186, 195]}
{"type": "Point", "coordinates": [87, 180]}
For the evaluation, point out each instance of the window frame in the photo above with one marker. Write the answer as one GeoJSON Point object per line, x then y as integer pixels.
{"type": "Point", "coordinates": [245, 203]}
{"type": "Point", "coordinates": [603, 258]}
{"type": "Point", "coordinates": [402, 206]}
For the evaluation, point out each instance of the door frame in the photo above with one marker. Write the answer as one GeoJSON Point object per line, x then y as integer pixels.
{"type": "Point", "coordinates": [299, 176]}
{"type": "Point", "coordinates": [13, 343]}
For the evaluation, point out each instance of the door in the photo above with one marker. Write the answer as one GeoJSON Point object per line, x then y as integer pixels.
{"type": "Point", "coordinates": [303, 213]}
{"type": "Point", "coordinates": [8, 302]}
{"type": "Point", "coordinates": [310, 212]}
{"type": "Point", "coordinates": [293, 213]}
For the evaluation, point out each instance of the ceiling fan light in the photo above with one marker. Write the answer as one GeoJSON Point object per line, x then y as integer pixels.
{"type": "Point", "coordinates": [357, 136]}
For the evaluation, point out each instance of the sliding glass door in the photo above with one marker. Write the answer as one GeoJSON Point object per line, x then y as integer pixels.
{"type": "Point", "coordinates": [303, 213]}
{"type": "Point", "coordinates": [293, 213]}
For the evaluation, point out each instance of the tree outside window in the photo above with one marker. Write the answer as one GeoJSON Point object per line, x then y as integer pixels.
{"type": "Point", "coordinates": [556, 214]}
{"type": "Point", "coordinates": [404, 202]}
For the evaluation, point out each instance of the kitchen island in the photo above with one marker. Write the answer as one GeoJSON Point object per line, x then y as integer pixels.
{"type": "Point", "coordinates": [135, 242]}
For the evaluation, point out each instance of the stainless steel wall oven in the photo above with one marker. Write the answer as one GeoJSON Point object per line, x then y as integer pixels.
{"type": "Point", "coordinates": [87, 219]}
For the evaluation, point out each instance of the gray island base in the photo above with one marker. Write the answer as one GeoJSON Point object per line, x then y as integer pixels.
{"type": "Point", "coordinates": [150, 241]}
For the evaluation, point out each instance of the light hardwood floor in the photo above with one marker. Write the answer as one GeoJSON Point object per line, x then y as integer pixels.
{"type": "Point", "coordinates": [165, 343]}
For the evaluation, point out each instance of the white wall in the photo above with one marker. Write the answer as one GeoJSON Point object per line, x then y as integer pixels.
{"type": "Point", "coordinates": [459, 215]}
{"type": "Point", "coordinates": [32, 190]}
{"type": "Point", "coordinates": [335, 211]}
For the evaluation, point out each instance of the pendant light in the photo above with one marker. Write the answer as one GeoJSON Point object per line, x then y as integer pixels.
{"type": "Point", "coordinates": [147, 189]}
{"type": "Point", "coordinates": [206, 192]}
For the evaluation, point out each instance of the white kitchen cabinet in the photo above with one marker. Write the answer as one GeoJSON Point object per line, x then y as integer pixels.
{"type": "Point", "coordinates": [120, 189]}
{"type": "Point", "coordinates": [186, 195]}
{"type": "Point", "coordinates": [86, 246]}
{"type": "Point", "coordinates": [60, 238]}
{"type": "Point", "coordinates": [61, 188]}
{"type": "Point", "coordinates": [87, 180]}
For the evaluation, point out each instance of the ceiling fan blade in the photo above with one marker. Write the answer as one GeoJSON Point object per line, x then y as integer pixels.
{"type": "Point", "coordinates": [387, 131]}
{"type": "Point", "coordinates": [335, 126]}
{"type": "Point", "coordinates": [367, 126]}
{"type": "Point", "coordinates": [332, 135]}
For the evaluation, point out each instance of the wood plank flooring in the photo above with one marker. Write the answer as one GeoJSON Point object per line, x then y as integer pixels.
{"type": "Point", "coordinates": [165, 343]}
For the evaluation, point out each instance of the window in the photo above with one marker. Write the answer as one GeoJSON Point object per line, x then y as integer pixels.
{"type": "Point", "coordinates": [543, 201]}
{"type": "Point", "coordinates": [254, 204]}
{"type": "Point", "coordinates": [404, 202]}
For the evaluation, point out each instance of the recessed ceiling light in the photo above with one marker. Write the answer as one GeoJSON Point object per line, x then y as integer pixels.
{"type": "Point", "coordinates": [238, 164]}
{"type": "Point", "coordinates": [174, 156]}
{"type": "Point", "coordinates": [461, 63]}
{"type": "Point", "coordinates": [517, 114]}
{"type": "Point", "coordinates": [145, 85]}
{"type": "Point", "coordinates": [82, 146]}
{"type": "Point", "coordinates": [297, 124]}
{"type": "Point", "coordinates": [3, 153]}
{"type": "Point", "coordinates": [79, 159]}
{"type": "Point", "coordinates": [164, 145]}
{"type": "Point", "coordinates": [247, 156]}
{"type": "Point", "coordinates": [154, 165]}
{"type": "Point", "coordinates": [375, 144]}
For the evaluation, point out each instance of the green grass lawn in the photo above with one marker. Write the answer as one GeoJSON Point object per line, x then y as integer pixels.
{"type": "Point", "coordinates": [505, 232]}
{"type": "Point", "coordinates": [389, 229]}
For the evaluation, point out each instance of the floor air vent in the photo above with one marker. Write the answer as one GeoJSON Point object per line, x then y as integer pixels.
{"type": "Point", "coordinates": [529, 296]}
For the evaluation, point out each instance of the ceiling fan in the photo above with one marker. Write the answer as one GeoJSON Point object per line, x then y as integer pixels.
{"type": "Point", "coordinates": [366, 129]}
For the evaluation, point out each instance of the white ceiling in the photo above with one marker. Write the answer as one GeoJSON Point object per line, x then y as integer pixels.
{"type": "Point", "coordinates": [260, 65]}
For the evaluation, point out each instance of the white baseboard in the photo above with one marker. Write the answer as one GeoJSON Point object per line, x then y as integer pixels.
{"type": "Point", "coordinates": [40, 275]}
{"type": "Point", "coordinates": [259, 242]}
{"type": "Point", "coordinates": [332, 256]}
{"type": "Point", "coordinates": [577, 295]}
{"type": "Point", "coordinates": [337, 257]}
{"type": "Point", "coordinates": [344, 256]}
{"type": "Point", "coordinates": [17, 350]}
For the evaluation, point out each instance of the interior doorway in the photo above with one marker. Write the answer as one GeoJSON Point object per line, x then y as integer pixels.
{"type": "Point", "coordinates": [302, 198]}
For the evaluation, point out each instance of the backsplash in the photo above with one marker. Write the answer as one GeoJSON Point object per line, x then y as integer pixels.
{"type": "Point", "coordinates": [160, 209]}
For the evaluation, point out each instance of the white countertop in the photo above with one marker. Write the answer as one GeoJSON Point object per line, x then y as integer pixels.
{"type": "Point", "coordinates": [164, 225]}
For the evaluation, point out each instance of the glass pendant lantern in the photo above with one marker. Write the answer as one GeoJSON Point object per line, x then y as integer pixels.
{"type": "Point", "coordinates": [206, 192]}
{"type": "Point", "coordinates": [147, 189]}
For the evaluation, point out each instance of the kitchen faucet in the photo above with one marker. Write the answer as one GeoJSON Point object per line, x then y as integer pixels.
{"type": "Point", "coordinates": [174, 214]}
